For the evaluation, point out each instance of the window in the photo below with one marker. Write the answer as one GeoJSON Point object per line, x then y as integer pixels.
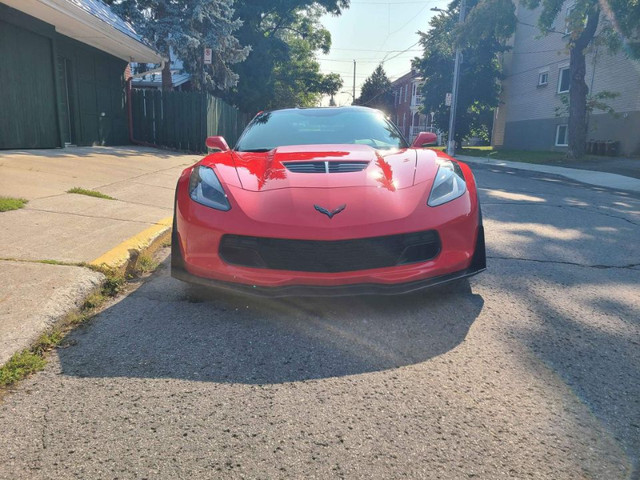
{"type": "Point", "coordinates": [563, 80]}
{"type": "Point", "coordinates": [318, 126]}
{"type": "Point", "coordinates": [543, 78]}
{"type": "Point", "coordinates": [567, 26]}
{"type": "Point", "coordinates": [406, 93]}
{"type": "Point", "coordinates": [568, 20]}
{"type": "Point", "coordinates": [562, 136]}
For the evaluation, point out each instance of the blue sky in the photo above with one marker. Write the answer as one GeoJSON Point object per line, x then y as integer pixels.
{"type": "Point", "coordinates": [370, 31]}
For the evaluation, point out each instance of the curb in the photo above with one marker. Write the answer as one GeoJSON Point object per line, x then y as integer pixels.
{"type": "Point", "coordinates": [124, 256]}
{"type": "Point", "coordinates": [122, 259]}
{"type": "Point", "coordinates": [590, 177]}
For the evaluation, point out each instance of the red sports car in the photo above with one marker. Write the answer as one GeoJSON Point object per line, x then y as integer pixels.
{"type": "Point", "coordinates": [326, 201]}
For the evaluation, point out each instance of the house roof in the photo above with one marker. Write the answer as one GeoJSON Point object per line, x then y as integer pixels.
{"type": "Point", "coordinates": [104, 13]}
{"type": "Point", "coordinates": [91, 22]}
{"type": "Point", "coordinates": [411, 75]}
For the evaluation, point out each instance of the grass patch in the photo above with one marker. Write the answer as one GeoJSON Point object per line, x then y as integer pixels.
{"type": "Point", "coordinates": [89, 193]}
{"type": "Point", "coordinates": [31, 360]}
{"type": "Point", "coordinates": [526, 156]}
{"type": "Point", "coordinates": [48, 340]}
{"type": "Point", "coordinates": [19, 366]}
{"type": "Point", "coordinates": [9, 203]}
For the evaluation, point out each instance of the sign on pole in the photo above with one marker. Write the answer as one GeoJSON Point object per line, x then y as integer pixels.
{"type": "Point", "coordinates": [208, 53]}
{"type": "Point", "coordinates": [447, 100]}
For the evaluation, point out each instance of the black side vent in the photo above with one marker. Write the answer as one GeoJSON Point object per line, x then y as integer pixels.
{"type": "Point", "coordinates": [326, 167]}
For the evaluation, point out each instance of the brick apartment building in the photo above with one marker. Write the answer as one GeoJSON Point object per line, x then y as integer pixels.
{"type": "Point", "coordinates": [406, 105]}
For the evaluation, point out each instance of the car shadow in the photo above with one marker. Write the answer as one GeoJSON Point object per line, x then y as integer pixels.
{"type": "Point", "coordinates": [167, 329]}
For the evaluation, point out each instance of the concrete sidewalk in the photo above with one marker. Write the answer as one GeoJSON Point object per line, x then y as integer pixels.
{"type": "Point", "coordinates": [591, 177]}
{"type": "Point", "coordinates": [56, 226]}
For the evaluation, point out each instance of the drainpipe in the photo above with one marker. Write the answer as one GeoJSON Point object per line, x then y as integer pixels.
{"type": "Point", "coordinates": [130, 107]}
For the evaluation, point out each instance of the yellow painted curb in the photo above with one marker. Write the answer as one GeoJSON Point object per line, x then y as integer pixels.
{"type": "Point", "coordinates": [119, 256]}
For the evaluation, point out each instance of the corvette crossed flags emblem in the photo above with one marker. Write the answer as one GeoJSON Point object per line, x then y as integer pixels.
{"type": "Point", "coordinates": [331, 213]}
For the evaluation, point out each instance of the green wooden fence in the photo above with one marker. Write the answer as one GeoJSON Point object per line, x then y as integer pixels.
{"type": "Point", "coordinates": [183, 120]}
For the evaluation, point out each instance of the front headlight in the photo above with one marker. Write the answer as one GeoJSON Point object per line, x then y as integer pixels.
{"type": "Point", "coordinates": [205, 188]}
{"type": "Point", "coordinates": [448, 185]}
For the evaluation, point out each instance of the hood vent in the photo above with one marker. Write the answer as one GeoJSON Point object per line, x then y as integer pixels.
{"type": "Point", "coordinates": [325, 167]}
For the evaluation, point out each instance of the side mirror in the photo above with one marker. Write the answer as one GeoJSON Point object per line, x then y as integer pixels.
{"type": "Point", "coordinates": [424, 138]}
{"type": "Point", "coordinates": [217, 143]}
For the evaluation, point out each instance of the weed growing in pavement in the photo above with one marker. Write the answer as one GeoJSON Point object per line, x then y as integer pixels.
{"type": "Point", "coordinates": [57, 262]}
{"type": "Point", "coordinates": [145, 264]}
{"type": "Point", "coordinates": [19, 366]}
{"type": "Point", "coordinates": [28, 361]}
{"type": "Point", "coordinates": [9, 203]}
{"type": "Point", "coordinates": [90, 193]}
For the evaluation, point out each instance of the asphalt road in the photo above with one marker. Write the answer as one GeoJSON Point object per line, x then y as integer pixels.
{"type": "Point", "coordinates": [534, 373]}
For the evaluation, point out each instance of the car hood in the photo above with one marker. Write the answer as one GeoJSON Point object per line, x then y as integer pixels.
{"type": "Point", "coordinates": [391, 170]}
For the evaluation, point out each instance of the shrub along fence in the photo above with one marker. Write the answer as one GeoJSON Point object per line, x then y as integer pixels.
{"type": "Point", "coordinates": [183, 120]}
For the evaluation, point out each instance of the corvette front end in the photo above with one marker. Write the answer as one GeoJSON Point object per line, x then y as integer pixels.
{"type": "Point", "coordinates": [327, 219]}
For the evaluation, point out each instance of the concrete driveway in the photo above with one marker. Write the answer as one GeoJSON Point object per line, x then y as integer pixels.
{"type": "Point", "coordinates": [534, 373]}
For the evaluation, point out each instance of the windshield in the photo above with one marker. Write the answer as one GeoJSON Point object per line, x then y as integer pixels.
{"type": "Point", "coordinates": [319, 126]}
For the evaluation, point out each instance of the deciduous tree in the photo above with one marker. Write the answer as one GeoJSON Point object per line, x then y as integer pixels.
{"type": "Point", "coordinates": [281, 70]}
{"type": "Point", "coordinates": [483, 37]}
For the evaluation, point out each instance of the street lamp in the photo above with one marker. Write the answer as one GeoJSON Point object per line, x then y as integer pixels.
{"type": "Point", "coordinates": [350, 94]}
{"type": "Point", "coordinates": [451, 143]}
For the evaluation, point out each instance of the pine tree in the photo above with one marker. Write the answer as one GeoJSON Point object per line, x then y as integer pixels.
{"type": "Point", "coordinates": [376, 91]}
{"type": "Point", "coordinates": [186, 28]}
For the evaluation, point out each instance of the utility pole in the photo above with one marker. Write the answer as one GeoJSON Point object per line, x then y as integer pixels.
{"type": "Point", "coordinates": [354, 82]}
{"type": "Point", "coordinates": [451, 144]}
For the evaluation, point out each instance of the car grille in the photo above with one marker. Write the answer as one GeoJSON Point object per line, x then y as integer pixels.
{"type": "Point", "coordinates": [329, 256]}
{"type": "Point", "coordinates": [325, 167]}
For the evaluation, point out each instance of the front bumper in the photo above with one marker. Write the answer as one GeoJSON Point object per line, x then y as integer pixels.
{"type": "Point", "coordinates": [478, 264]}
{"type": "Point", "coordinates": [198, 231]}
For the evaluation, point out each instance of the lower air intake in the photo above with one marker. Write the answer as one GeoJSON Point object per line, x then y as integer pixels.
{"type": "Point", "coordinates": [330, 256]}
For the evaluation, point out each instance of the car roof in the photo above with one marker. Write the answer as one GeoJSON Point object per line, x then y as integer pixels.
{"type": "Point", "coordinates": [347, 107]}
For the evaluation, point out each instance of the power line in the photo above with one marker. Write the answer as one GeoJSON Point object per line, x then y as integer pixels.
{"type": "Point", "coordinates": [390, 3]}
{"type": "Point", "coordinates": [538, 51]}
{"type": "Point", "coordinates": [413, 17]}
{"type": "Point", "coordinates": [370, 50]}
{"type": "Point", "coordinates": [385, 59]}
{"type": "Point", "coordinates": [368, 60]}
{"type": "Point", "coordinates": [536, 68]}
{"type": "Point", "coordinates": [536, 26]}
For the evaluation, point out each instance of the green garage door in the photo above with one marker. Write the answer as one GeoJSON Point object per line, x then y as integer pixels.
{"type": "Point", "coordinates": [28, 117]}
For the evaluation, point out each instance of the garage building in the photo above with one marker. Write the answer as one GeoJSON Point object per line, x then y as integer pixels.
{"type": "Point", "coordinates": [62, 67]}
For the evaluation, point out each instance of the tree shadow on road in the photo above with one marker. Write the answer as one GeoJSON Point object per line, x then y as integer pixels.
{"type": "Point", "coordinates": [165, 329]}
